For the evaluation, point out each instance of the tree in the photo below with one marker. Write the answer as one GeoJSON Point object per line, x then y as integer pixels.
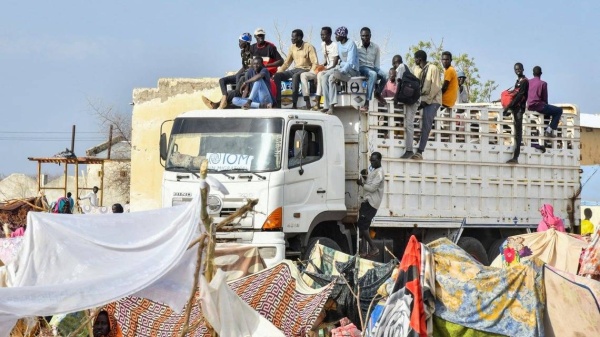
{"type": "Point", "coordinates": [479, 90]}
{"type": "Point", "coordinates": [107, 115]}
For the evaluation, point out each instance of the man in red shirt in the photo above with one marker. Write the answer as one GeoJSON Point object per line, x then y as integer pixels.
{"type": "Point", "coordinates": [537, 100]}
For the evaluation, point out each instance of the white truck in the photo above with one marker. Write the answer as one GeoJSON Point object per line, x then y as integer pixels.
{"type": "Point", "coordinates": [303, 166]}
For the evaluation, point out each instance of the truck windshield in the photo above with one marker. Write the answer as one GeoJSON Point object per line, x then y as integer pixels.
{"type": "Point", "coordinates": [229, 144]}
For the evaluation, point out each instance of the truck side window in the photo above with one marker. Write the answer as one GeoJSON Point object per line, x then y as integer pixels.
{"type": "Point", "coordinates": [306, 144]}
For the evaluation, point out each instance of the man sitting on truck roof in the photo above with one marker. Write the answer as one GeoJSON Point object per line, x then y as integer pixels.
{"type": "Point", "coordinates": [304, 57]}
{"type": "Point", "coordinates": [265, 49]}
{"type": "Point", "coordinates": [256, 87]}
{"type": "Point", "coordinates": [347, 68]}
{"type": "Point", "coordinates": [244, 43]}
{"type": "Point", "coordinates": [431, 98]}
{"type": "Point", "coordinates": [537, 100]}
{"type": "Point", "coordinates": [373, 192]}
{"type": "Point", "coordinates": [330, 60]}
{"type": "Point", "coordinates": [369, 57]}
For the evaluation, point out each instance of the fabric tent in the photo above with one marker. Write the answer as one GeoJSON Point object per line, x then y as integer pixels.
{"type": "Point", "coordinates": [69, 263]}
{"type": "Point", "coordinates": [507, 301]}
{"type": "Point", "coordinates": [558, 249]}
{"type": "Point", "coordinates": [572, 304]}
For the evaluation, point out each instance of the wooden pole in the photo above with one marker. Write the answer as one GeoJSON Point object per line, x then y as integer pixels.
{"type": "Point", "coordinates": [39, 171]}
{"type": "Point", "coordinates": [65, 173]}
{"type": "Point", "coordinates": [76, 185]}
{"type": "Point", "coordinates": [73, 140]}
{"type": "Point", "coordinates": [110, 131]}
{"type": "Point", "coordinates": [102, 184]}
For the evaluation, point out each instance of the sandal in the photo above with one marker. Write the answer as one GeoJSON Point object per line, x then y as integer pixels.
{"type": "Point", "coordinates": [364, 109]}
{"type": "Point", "coordinates": [315, 108]}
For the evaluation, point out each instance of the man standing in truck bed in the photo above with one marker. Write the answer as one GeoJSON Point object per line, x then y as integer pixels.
{"type": "Point", "coordinates": [373, 192]}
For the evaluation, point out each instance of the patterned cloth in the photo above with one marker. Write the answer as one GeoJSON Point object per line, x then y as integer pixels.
{"type": "Point", "coordinates": [325, 266]}
{"type": "Point", "coordinates": [560, 250]}
{"type": "Point", "coordinates": [572, 304]}
{"type": "Point", "coordinates": [278, 294]}
{"type": "Point", "coordinates": [503, 301]}
{"type": "Point", "coordinates": [443, 328]}
{"type": "Point", "coordinates": [322, 260]}
{"type": "Point", "coordinates": [590, 258]}
{"type": "Point", "coordinates": [404, 312]}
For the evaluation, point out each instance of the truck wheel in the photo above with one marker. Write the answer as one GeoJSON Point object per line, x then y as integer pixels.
{"type": "Point", "coordinates": [474, 248]}
{"type": "Point", "coordinates": [323, 241]}
{"type": "Point", "coordinates": [494, 250]}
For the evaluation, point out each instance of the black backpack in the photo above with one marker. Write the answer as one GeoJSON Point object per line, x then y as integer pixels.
{"type": "Point", "coordinates": [409, 89]}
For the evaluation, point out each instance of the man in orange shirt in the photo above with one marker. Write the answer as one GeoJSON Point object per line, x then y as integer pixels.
{"type": "Point", "coordinates": [450, 86]}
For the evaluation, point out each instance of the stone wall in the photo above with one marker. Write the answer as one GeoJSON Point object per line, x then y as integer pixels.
{"type": "Point", "coordinates": [152, 106]}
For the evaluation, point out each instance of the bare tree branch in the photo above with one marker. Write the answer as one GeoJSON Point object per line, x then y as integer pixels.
{"type": "Point", "coordinates": [108, 115]}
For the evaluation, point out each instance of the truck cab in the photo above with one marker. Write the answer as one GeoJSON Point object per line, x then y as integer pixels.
{"type": "Point", "coordinates": [292, 162]}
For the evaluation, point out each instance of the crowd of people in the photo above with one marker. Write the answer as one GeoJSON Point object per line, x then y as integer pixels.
{"type": "Point", "coordinates": [258, 82]}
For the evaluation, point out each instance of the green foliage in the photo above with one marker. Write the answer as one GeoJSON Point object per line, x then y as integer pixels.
{"type": "Point", "coordinates": [479, 90]}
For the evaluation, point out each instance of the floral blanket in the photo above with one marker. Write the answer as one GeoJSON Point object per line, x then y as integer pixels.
{"type": "Point", "coordinates": [590, 258]}
{"type": "Point", "coordinates": [558, 249]}
{"type": "Point", "coordinates": [506, 301]}
{"type": "Point", "coordinates": [572, 304]}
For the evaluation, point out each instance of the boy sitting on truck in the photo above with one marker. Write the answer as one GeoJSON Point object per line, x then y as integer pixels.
{"type": "Point", "coordinates": [260, 95]}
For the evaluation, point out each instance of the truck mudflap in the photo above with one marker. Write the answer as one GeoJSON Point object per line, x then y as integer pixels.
{"type": "Point", "coordinates": [271, 245]}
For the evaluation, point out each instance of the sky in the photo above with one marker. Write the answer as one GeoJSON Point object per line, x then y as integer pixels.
{"type": "Point", "coordinates": [57, 56]}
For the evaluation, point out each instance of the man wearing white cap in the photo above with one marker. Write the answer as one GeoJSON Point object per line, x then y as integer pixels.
{"type": "Point", "coordinates": [271, 57]}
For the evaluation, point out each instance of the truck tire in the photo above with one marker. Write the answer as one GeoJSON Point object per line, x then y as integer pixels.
{"type": "Point", "coordinates": [474, 248]}
{"type": "Point", "coordinates": [323, 241]}
{"type": "Point", "coordinates": [494, 249]}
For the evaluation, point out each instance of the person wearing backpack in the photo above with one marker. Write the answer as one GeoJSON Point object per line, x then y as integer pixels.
{"type": "Point", "coordinates": [408, 92]}
{"type": "Point", "coordinates": [431, 97]}
{"type": "Point", "coordinates": [537, 100]}
{"type": "Point", "coordinates": [517, 108]}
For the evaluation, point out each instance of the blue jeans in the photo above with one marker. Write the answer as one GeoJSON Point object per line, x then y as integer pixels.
{"type": "Point", "coordinates": [372, 74]}
{"type": "Point", "coordinates": [259, 94]}
{"type": "Point", "coordinates": [428, 114]}
{"type": "Point", "coordinates": [553, 111]}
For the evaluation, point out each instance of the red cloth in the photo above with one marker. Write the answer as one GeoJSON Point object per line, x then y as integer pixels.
{"type": "Point", "coordinates": [409, 277]}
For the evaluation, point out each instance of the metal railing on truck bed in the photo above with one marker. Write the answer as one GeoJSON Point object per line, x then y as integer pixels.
{"type": "Point", "coordinates": [464, 174]}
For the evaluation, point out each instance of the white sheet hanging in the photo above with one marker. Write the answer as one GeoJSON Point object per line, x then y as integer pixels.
{"type": "Point", "coordinates": [73, 262]}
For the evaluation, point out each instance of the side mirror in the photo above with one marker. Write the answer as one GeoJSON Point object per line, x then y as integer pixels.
{"type": "Point", "coordinates": [163, 146]}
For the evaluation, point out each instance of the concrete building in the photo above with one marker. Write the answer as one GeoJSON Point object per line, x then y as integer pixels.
{"type": "Point", "coordinates": [153, 106]}
{"type": "Point", "coordinates": [590, 138]}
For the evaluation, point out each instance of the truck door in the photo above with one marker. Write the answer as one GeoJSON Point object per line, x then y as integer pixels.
{"type": "Point", "coordinates": [305, 188]}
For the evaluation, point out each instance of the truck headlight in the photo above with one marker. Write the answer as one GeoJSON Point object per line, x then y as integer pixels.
{"type": "Point", "coordinates": [214, 204]}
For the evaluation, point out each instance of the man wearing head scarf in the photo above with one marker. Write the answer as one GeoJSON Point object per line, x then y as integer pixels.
{"type": "Point", "coordinates": [105, 325]}
{"type": "Point", "coordinates": [347, 68]}
{"type": "Point", "coordinates": [244, 42]}
{"type": "Point", "coordinates": [549, 220]}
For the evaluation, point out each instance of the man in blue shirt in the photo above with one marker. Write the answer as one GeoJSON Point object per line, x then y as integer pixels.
{"type": "Point", "coordinates": [369, 57]}
{"type": "Point", "coordinates": [347, 68]}
{"type": "Point", "coordinates": [259, 80]}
